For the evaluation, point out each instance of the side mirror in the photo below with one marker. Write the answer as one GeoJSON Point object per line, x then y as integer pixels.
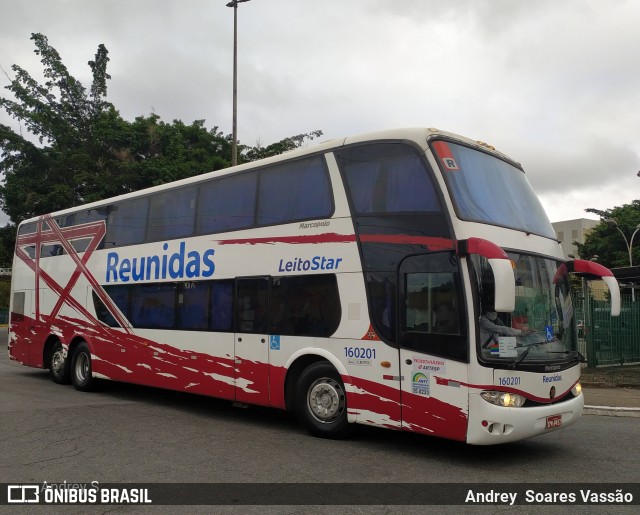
{"type": "Point", "coordinates": [505, 281]}
{"type": "Point", "coordinates": [592, 270]}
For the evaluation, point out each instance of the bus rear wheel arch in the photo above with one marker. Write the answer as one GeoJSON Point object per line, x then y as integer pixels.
{"type": "Point", "coordinates": [321, 401]}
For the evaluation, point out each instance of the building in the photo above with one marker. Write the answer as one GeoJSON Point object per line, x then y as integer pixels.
{"type": "Point", "coordinates": [569, 231]}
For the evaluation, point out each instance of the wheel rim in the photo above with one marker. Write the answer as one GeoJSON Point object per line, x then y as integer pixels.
{"type": "Point", "coordinates": [57, 361]}
{"type": "Point", "coordinates": [326, 400]}
{"type": "Point", "coordinates": [82, 367]}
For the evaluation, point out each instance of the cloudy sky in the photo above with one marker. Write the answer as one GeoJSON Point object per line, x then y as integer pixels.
{"type": "Point", "coordinates": [554, 84]}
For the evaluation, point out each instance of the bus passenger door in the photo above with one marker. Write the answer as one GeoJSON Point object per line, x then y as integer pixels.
{"type": "Point", "coordinates": [252, 341]}
{"type": "Point", "coordinates": [433, 346]}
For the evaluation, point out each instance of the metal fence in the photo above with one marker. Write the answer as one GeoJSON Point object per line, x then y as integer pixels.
{"type": "Point", "coordinates": [605, 340]}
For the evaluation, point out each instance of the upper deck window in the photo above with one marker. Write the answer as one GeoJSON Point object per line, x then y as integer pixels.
{"type": "Point", "coordinates": [388, 178]}
{"type": "Point", "coordinates": [226, 204]}
{"type": "Point", "coordinates": [488, 190]}
{"type": "Point", "coordinates": [127, 222]}
{"type": "Point", "coordinates": [299, 190]}
{"type": "Point", "coordinates": [172, 214]}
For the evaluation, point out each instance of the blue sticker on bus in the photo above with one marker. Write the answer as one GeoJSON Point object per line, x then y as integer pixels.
{"type": "Point", "coordinates": [549, 330]}
{"type": "Point", "coordinates": [274, 342]}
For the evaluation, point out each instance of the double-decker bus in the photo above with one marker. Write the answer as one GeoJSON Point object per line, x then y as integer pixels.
{"type": "Point", "coordinates": [407, 279]}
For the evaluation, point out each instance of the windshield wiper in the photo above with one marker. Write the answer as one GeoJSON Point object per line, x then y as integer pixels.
{"type": "Point", "coordinates": [572, 354]}
{"type": "Point", "coordinates": [520, 359]}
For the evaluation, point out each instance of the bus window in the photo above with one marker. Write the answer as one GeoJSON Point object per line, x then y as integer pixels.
{"type": "Point", "coordinates": [193, 305]}
{"type": "Point", "coordinates": [56, 249]}
{"type": "Point", "coordinates": [431, 303]}
{"type": "Point", "coordinates": [227, 204]}
{"type": "Point", "coordinates": [382, 292]}
{"type": "Point", "coordinates": [388, 178]}
{"type": "Point", "coordinates": [88, 216]}
{"type": "Point", "coordinates": [51, 250]}
{"type": "Point", "coordinates": [222, 306]}
{"type": "Point", "coordinates": [489, 190]}
{"type": "Point", "coordinates": [102, 312]}
{"type": "Point", "coordinates": [120, 296]}
{"type": "Point", "coordinates": [172, 214]}
{"type": "Point", "coordinates": [153, 306]}
{"type": "Point", "coordinates": [305, 305]}
{"type": "Point", "coordinates": [29, 228]}
{"type": "Point", "coordinates": [252, 305]}
{"type": "Point", "coordinates": [127, 222]}
{"type": "Point", "coordinates": [294, 191]}
{"type": "Point", "coordinates": [432, 313]}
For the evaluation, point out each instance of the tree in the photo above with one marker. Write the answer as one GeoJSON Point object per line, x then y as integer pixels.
{"type": "Point", "coordinates": [79, 149]}
{"type": "Point", "coordinates": [605, 240]}
{"type": "Point", "coordinates": [7, 244]}
{"type": "Point", "coordinates": [285, 145]}
{"type": "Point", "coordinates": [86, 150]}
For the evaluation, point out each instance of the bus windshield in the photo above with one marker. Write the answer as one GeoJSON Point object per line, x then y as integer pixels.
{"type": "Point", "coordinates": [541, 328]}
{"type": "Point", "coordinates": [486, 189]}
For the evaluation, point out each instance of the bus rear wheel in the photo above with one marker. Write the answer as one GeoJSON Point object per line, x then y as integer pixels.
{"type": "Point", "coordinates": [58, 365]}
{"type": "Point", "coordinates": [81, 374]}
{"type": "Point", "coordinates": [321, 401]}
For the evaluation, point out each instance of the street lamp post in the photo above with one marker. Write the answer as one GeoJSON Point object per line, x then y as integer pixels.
{"type": "Point", "coordinates": [629, 243]}
{"type": "Point", "coordinates": [234, 142]}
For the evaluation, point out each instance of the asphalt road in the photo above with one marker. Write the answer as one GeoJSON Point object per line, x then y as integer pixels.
{"type": "Point", "coordinates": [125, 433]}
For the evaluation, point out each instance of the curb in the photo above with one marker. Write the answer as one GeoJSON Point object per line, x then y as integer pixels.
{"type": "Point", "coordinates": [614, 384]}
{"type": "Point", "coordinates": [611, 411]}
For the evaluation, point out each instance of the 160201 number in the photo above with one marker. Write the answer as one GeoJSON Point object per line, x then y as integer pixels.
{"type": "Point", "coordinates": [509, 381]}
{"type": "Point", "coordinates": [360, 352]}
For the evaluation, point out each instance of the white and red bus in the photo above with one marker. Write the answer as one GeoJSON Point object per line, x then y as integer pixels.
{"type": "Point", "coordinates": [406, 279]}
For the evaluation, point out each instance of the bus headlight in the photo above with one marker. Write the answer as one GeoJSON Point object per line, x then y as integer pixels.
{"type": "Point", "coordinates": [577, 390]}
{"type": "Point", "coordinates": [508, 400]}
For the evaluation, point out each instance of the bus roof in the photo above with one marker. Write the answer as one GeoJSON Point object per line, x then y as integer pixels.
{"type": "Point", "coordinates": [417, 135]}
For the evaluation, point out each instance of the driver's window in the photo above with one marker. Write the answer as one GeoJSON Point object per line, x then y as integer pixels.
{"type": "Point", "coordinates": [431, 305]}
{"type": "Point", "coordinates": [432, 312]}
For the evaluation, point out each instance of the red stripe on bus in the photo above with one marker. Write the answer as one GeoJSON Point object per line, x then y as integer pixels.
{"type": "Point", "coordinates": [445, 382]}
{"type": "Point", "coordinates": [430, 242]}
{"type": "Point", "coordinates": [294, 240]}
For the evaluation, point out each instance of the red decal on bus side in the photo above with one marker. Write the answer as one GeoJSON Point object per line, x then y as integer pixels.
{"type": "Point", "coordinates": [370, 334]}
{"type": "Point", "coordinates": [419, 413]}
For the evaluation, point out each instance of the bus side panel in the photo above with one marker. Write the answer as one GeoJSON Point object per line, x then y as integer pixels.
{"type": "Point", "coordinates": [144, 359]}
{"type": "Point", "coordinates": [373, 381]}
{"type": "Point", "coordinates": [435, 395]}
{"type": "Point", "coordinates": [20, 323]}
{"type": "Point", "coordinates": [373, 373]}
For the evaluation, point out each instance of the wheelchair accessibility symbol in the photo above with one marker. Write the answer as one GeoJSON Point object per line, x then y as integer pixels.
{"type": "Point", "coordinates": [274, 342]}
{"type": "Point", "coordinates": [549, 331]}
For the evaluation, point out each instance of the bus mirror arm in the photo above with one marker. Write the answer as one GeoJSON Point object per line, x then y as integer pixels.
{"type": "Point", "coordinates": [505, 283]}
{"type": "Point", "coordinates": [592, 270]}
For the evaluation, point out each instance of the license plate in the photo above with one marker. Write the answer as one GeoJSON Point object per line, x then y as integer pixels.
{"type": "Point", "coordinates": [554, 421]}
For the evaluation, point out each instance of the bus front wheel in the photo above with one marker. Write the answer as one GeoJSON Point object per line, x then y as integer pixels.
{"type": "Point", "coordinates": [321, 401]}
{"type": "Point", "coordinates": [81, 375]}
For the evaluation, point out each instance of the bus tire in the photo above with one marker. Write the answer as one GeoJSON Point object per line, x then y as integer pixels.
{"type": "Point", "coordinates": [81, 370]}
{"type": "Point", "coordinates": [321, 401]}
{"type": "Point", "coordinates": [58, 365]}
